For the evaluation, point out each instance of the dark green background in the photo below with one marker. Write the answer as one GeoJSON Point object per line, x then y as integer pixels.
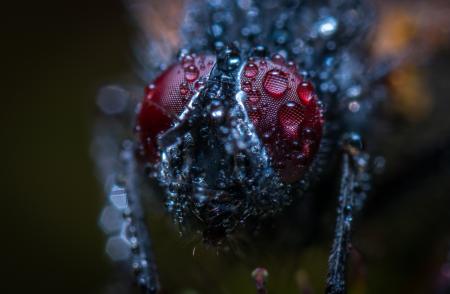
{"type": "Point", "coordinates": [57, 54]}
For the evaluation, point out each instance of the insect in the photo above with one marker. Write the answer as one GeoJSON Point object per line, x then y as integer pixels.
{"type": "Point", "coordinates": [246, 104]}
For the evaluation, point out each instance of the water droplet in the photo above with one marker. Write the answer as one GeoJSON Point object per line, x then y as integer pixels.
{"type": "Point", "coordinates": [149, 90]}
{"type": "Point", "coordinates": [118, 197]}
{"type": "Point", "coordinates": [354, 91]}
{"type": "Point", "coordinates": [136, 267]}
{"type": "Point", "coordinates": [117, 248]}
{"type": "Point", "coordinates": [267, 135]}
{"type": "Point", "coordinates": [290, 116]}
{"type": "Point", "coordinates": [134, 243]}
{"type": "Point", "coordinates": [361, 162]}
{"type": "Point", "coordinates": [352, 141]}
{"type": "Point", "coordinates": [246, 86]}
{"type": "Point", "coordinates": [110, 220]}
{"type": "Point", "coordinates": [250, 70]}
{"type": "Point", "coordinates": [217, 113]}
{"type": "Point", "coordinates": [298, 157]}
{"type": "Point", "coordinates": [305, 92]}
{"type": "Point", "coordinates": [191, 73]}
{"type": "Point", "coordinates": [275, 83]}
{"type": "Point", "coordinates": [292, 67]}
{"type": "Point", "coordinates": [187, 60]}
{"type": "Point", "coordinates": [200, 199]}
{"type": "Point", "coordinates": [260, 51]}
{"type": "Point", "coordinates": [278, 59]}
{"type": "Point", "coordinates": [327, 26]}
{"type": "Point", "coordinates": [308, 133]}
{"type": "Point", "coordinates": [348, 220]}
{"type": "Point", "coordinates": [184, 88]}
{"type": "Point", "coordinates": [112, 99]}
{"type": "Point", "coordinates": [228, 58]}
{"type": "Point", "coordinates": [354, 106]}
{"type": "Point", "coordinates": [254, 96]}
{"type": "Point", "coordinates": [216, 30]}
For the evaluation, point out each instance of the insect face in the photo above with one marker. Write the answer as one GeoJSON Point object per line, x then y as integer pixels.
{"type": "Point", "coordinates": [227, 139]}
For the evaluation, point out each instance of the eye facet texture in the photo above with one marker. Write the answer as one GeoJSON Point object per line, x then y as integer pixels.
{"type": "Point", "coordinates": [166, 98]}
{"type": "Point", "coordinates": [285, 112]}
{"type": "Point", "coordinates": [282, 106]}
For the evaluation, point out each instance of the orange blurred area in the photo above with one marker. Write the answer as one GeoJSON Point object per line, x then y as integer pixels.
{"type": "Point", "coordinates": [411, 27]}
{"type": "Point", "coordinates": [410, 32]}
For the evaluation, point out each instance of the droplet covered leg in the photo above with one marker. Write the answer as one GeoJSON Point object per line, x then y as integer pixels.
{"type": "Point", "coordinates": [352, 193]}
{"type": "Point", "coordinates": [122, 217]}
{"type": "Point", "coordinates": [123, 220]}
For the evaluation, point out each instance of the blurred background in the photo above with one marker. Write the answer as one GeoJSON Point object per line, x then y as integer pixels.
{"type": "Point", "coordinates": [56, 56]}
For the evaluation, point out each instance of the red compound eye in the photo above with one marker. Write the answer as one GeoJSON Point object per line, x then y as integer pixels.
{"type": "Point", "coordinates": [285, 112]}
{"type": "Point", "coordinates": [166, 98]}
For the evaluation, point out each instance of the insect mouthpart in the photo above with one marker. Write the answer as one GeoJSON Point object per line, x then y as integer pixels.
{"type": "Point", "coordinates": [230, 149]}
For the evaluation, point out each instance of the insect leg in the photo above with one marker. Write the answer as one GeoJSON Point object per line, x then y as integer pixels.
{"type": "Point", "coordinates": [353, 186]}
{"type": "Point", "coordinates": [122, 218]}
{"type": "Point", "coordinates": [142, 259]}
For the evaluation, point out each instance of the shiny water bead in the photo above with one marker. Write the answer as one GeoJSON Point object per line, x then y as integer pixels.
{"type": "Point", "coordinates": [292, 67]}
{"type": "Point", "coordinates": [254, 96]}
{"type": "Point", "coordinates": [184, 88]}
{"type": "Point", "coordinates": [290, 118]}
{"type": "Point", "coordinates": [246, 86]}
{"type": "Point", "coordinates": [166, 98]}
{"type": "Point", "coordinates": [275, 82]}
{"type": "Point", "coordinates": [187, 60]}
{"type": "Point", "coordinates": [327, 26]}
{"type": "Point", "coordinates": [191, 73]}
{"type": "Point", "coordinates": [150, 89]}
{"type": "Point", "coordinates": [250, 70]}
{"type": "Point", "coordinates": [354, 106]}
{"type": "Point", "coordinates": [278, 59]}
{"type": "Point", "coordinates": [305, 91]}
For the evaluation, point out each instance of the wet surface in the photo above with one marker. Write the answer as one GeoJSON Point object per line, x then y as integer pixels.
{"type": "Point", "coordinates": [62, 54]}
